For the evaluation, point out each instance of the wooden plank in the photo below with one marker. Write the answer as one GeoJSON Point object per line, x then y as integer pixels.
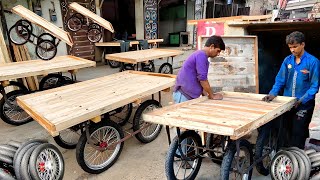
{"type": "Point", "coordinates": [232, 18]}
{"type": "Point", "coordinates": [43, 23]}
{"type": "Point", "coordinates": [4, 54]}
{"type": "Point", "coordinates": [135, 57]}
{"type": "Point", "coordinates": [150, 41]}
{"type": "Point", "coordinates": [87, 13]}
{"type": "Point", "coordinates": [63, 108]}
{"type": "Point", "coordinates": [22, 69]}
{"type": "Point", "coordinates": [114, 44]}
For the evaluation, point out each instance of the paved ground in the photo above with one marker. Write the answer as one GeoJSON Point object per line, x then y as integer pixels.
{"type": "Point", "coordinates": [137, 160]}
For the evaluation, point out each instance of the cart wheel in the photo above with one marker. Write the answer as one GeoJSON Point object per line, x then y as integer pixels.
{"type": "Point", "coordinates": [8, 147]}
{"type": "Point", "coordinates": [302, 168]}
{"type": "Point", "coordinates": [52, 81]}
{"type": "Point", "coordinates": [46, 162]}
{"type": "Point", "coordinates": [94, 25]}
{"type": "Point", "coordinates": [68, 138]}
{"type": "Point", "coordinates": [305, 158]}
{"type": "Point", "coordinates": [6, 159]}
{"type": "Point", "coordinates": [166, 68]}
{"type": "Point", "coordinates": [15, 144]}
{"type": "Point", "coordinates": [229, 162]}
{"type": "Point", "coordinates": [7, 152]}
{"type": "Point", "coordinates": [94, 35]}
{"type": "Point", "coordinates": [148, 67]}
{"type": "Point", "coordinates": [26, 24]}
{"type": "Point", "coordinates": [5, 174]}
{"type": "Point", "coordinates": [284, 166]}
{"type": "Point", "coordinates": [310, 151]}
{"type": "Point", "coordinates": [121, 115]}
{"type": "Point", "coordinates": [46, 36]}
{"type": "Point", "coordinates": [184, 166]}
{"type": "Point", "coordinates": [19, 34]}
{"type": "Point", "coordinates": [217, 143]}
{"type": "Point", "coordinates": [114, 64]}
{"type": "Point", "coordinates": [105, 134]}
{"type": "Point", "coordinates": [152, 131]}
{"type": "Point", "coordinates": [316, 176]}
{"type": "Point", "coordinates": [14, 85]}
{"type": "Point", "coordinates": [24, 167]}
{"type": "Point", "coordinates": [10, 112]}
{"type": "Point", "coordinates": [46, 50]}
{"type": "Point", "coordinates": [125, 67]}
{"type": "Point", "coordinates": [74, 23]}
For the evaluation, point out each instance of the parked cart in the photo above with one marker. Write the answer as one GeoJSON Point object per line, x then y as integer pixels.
{"type": "Point", "coordinates": [85, 108]}
{"type": "Point", "coordinates": [226, 121]}
{"type": "Point", "coordinates": [10, 112]}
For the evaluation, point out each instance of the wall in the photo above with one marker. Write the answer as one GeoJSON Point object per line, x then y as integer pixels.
{"type": "Point", "coordinates": [190, 16]}
{"type": "Point", "coordinates": [45, 5]}
{"type": "Point", "coordinates": [259, 7]}
{"type": "Point", "coordinates": [139, 19]}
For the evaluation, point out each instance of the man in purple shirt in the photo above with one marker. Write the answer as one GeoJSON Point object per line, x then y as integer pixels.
{"type": "Point", "coordinates": [192, 79]}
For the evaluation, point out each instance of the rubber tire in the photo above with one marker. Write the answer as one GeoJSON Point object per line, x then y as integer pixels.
{"type": "Point", "coordinates": [302, 169]}
{"type": "Point", "coordinates": [315, 164]}
{"type": "Point", "coordinates": [166, 64]}
{"type": "Point", "coordinates": [310, 151]}
{"type": "Point", "coordinates": [54, 51]}
{"type": "Point", "coordinates": [6, 159]}
{"type": "Point", "coordinates": [315, 177]}
{"type": "Point", "coordinates": [63, 144]}
{"type": "Point", "coordinates": [137, 118]}
{"type": "Point", "coordinates": [77, 16]}
{"type": "Point", "coordinates": [171, 154]}
{"type": "Point", "coordinates": [60, 78]}
{"type": "Point", "coordinates": [116, 65]}
{"type": "Point", "coordinates": [96, 40]}
{"type": "Point", "coordinates": [8, 147]}
{"type": "Point", "coordinates": [314, 154]}
{"type": "Point", "coordinates": [33, 160]}
{"type": "Point", "coordinates": [83, 142]}
{"type": "Point", "coordinates": [125, 120]}
{"type": "Point", "coordinates": [7, 152]}
{"type": "Point", "coordinates": [5, 176]}
{"type": "Point", "coordinates": [19, 85]}
{"type": "Point", "coordinates": [305, 158]}
{"type": "Point", "coordinates": [24, 167]}
{"type": "Point", "coordinates": [229, 156]}
{"type": "Point", "coordinates": [46, 34]}
{"type": "Point", "coordinates": [7, 119]}
{"type": "Point", "coordinates": [212, 155]}
{"type": "Point", "coordinates": [24, 42]}
{"type": "Point", "coordinates": [293, 160]}
{"type": "Point", "coordinates": [15, 144]}
{"type": "Point", "coordinates": [314, 159]}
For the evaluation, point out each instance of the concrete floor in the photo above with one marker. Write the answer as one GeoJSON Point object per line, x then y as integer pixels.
{"type": "Point", "coordinates": [137, 160]}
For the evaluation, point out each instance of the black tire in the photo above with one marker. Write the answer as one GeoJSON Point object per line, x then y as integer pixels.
{"type": "Point", "coordinates": [314, 159]}
{"type": "Point", "coordinates": [7, 152]}
{"type": "Point", "coordinates": [9, 106]}
{"type": "Point", "coordinates": [94, 25]}
{"type": "Point", "coordinates": [68, 138]}
{"type": "Point", "coordinates": [18, 85]}
{"type": "Point", "coordinates": [75, 22]}
{"type": "Point", "coordinates": [83, 146]}
{"type": "Point", "coordinates": [310, 151]}
{"type": "Point", "coordinates": [19, 34]}
{"type": "Point", "coordinates": [229, 159]}
{"type": "Point", "coordinates": [302, 168]}
{"type": "Point", "coordinates": [52, 81]}
{"type": "Point", "coordinates": [315, 176]}
{"type": "Point", "coordinates": [148, 67]}
{"type": "Point", "coordinates": [94, 35]}
{"type": "Point", "coordinates": [216, 143]}
{"type": "Point", "coordinates": [15, 144]}
{"type": "Point", "coordinates": [39, 158]}
{"type": "Point", "coordinates": [126, 66]}
{"type": "Point", "coordinates": [120, 115]}
{"type": "Point", "coordinates": [314, 155]}
{"type": "Point", "coordinates": [25, 23]}
{"type": "Point", "coordinates": [315, 164]}
{"type": "Point", "coordinates": [4, 174]}
{"type": "Point", "coordinates": [6, 159]}
{"type": "Point", "coordinates": [291, 167]}
{"type": "Point", "coordinates": [191, 154]}
{"type": "Point", "coordinates": [114, 64]}
{"type": "Point", "coordinates": [166, 68]}
{"type": "Point", "coordinates": [24, 167]}
{"type": "Point", "coordinates": [46, 36]}
{"type": "Point", "coordinates": [138, 122]}
{"type": "Point", "coordinates": [46, 50]}
{"type": "Point", "coordinates": [8, 148]}
{"type": "Point", "coordinates": [305, 158]}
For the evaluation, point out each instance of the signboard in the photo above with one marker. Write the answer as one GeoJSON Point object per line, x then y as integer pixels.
{"type": "Point", "coordinates": [210, 28]}
{"type": "Point", "coordinates": [151, 19]}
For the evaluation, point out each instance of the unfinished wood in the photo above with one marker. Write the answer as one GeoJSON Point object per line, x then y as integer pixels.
{"type": "Point", "coordinates": [114, 44]}
{"type": "Point", "coordinates": [150, 41]}
{"type": "Point", "coordinates": [94, 17]}
{"type": "Point", "coordinates": [62, 108]}
{"type": "Point", "coordinates": [226, 117]}
{"type": "Point", "coordinates": [22, 69]}
{"type": "Point", "coordinates": [4, 54]}
{"type": "Point", "coordinates": [43, 23]}
{"type": "Point", "coordinates": [232, 18]}
{"type": "Point", "coordinates": [135, 57]}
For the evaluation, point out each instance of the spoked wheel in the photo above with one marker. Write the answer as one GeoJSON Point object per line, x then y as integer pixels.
{"type": "Point", "coordinates": [20, 33]}
{"type": "Point", "coordinates": [46, 162]}
{"type": "Point", "coordinates": [229, 170]}
{"type": "Point", "coordinates": [94, 25]}
{"type": "Point", "coordinates": [14, 85]}
{"type": "Point", "coordinates": [68, 138]}
{"type": "Point", "coordinates": [284, 166]}
{"type": "Point", "coordinates": [10, 112]}
{"type": "Point", "coordinates": [148, 67]}
{"type": "Point", "coordinates": [114, 64]}
{"type": "Point", "coordinates": [166, 68]}
{"type": "Point", "coordinates": [218, 144]}
{"type": "Point", "coordinates": [94, 34]}
{"type": "Point", "coordinates": [125, 67]}
{"type": "Point", "coordinates": [150, 131]}
{"type": "Point", "coordinates": [105, 135]}
{"type": "Point", "coordinates": [46, 49]}
{"type": "Point", "coordinates": [53, 80]}
{"type": "Point", "coordinates": [186, 165]}
{"type": "Point", "coordinates": [46, 36]}
{"type": "Point", "coordinates": [74, 23]}
{"type": "Point", "coordinates": [121, 115]}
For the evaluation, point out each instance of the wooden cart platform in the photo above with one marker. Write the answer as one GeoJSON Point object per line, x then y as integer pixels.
{"type": "Point", "coordinates": [87, 13]}
{"type": "Point", "coordinates": [114, 44]}
{"type": "Point", "coordinates": [43, 23]}
{"type": "Point", "coordinates": [236, 115]}
{"type": "Point", "coordinates": [134, 57]}
{"type": "Point", "coordinates": [61, 108]}
{"type": "Point", "coordinates": [23, 69]}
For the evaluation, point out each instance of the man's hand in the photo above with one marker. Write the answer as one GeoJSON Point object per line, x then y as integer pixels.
{"type": "Point", "coordinates": [296, 104]}
{"type": "Point", "coordinates": [268, 98]}
{"type": "Point", "coordinates": [216, 96]}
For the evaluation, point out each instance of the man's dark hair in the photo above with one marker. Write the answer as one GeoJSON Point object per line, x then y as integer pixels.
{"type": "Point", "coordinates": [295, 37]}
{"type": "Point", "coordinates": [216, 41]}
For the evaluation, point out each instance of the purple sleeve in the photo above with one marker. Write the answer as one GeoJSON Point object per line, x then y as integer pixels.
{"type": "Point", "coordinates": [202, 66]}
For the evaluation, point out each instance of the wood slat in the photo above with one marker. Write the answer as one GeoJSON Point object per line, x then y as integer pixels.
{"type": "Point", "coordinates": [135, 57]}
{"type": "Point", "coordinates": [40, 67]}
{"type": "Point", "coordinates": [87, 13]}
{"type": "Point", "coordinates": [229, 117]}
{"type": "Point", "coordinates": [60, 108]}
{"type": "Point", "coordinates": [43, 23]}
{"type": "Point", "coordinates": [115, 43]}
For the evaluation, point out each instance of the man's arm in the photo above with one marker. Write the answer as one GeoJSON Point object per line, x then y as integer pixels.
{"type": "Point", "coordinates": [206, 87]}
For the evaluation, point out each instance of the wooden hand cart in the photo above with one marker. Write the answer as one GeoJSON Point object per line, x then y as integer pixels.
{"type": "Point", "coordinates": [131, 60]}
{"type": "Point", "coordinates": [227, 121]}
{"type": "Point", "coordinates": [70, 108]}
{"type": "Point", "coordinates": [10, 112]}
{"type": "Point", "coordinates": [46, 43]}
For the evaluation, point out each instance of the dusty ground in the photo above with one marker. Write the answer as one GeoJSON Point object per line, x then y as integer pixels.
{"type": "Point", "coordinates": [137, 160]}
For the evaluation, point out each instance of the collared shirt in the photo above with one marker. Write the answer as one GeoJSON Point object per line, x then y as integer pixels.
{"type": "Point", "coordinates": [193, 70]}
{"type": "Point", "coordinates": [298, 80]}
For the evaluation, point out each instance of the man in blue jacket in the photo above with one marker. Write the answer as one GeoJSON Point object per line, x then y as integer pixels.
{"type": "Point", "coordinates": [298, 77]}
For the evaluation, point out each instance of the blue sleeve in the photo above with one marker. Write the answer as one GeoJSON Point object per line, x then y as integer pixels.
{"type": "Point", "coordinates": [202, 66]}
{"type": "Point", "coordinates": [314, 82]}
{"type": "Point", "coordinates": [281, 78]}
